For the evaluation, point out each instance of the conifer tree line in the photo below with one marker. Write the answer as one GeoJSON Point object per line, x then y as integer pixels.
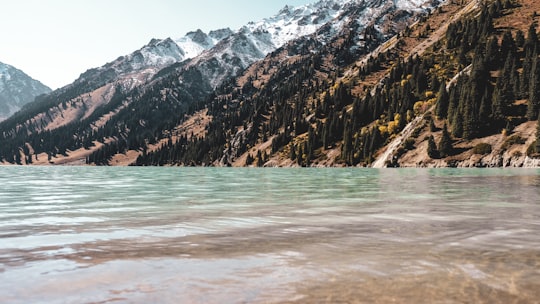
{"type": "Point", "coordinates": [480, 104]}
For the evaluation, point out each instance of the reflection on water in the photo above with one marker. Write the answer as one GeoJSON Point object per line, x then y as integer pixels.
{"type": "Point", "coordinates": [185, 235]}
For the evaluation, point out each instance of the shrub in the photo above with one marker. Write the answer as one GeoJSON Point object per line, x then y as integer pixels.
{"type": "Point", "coordinates": [399, 152]}
{"type": "Point", "coordinates": [482, 148]}
{"type": "Point", "coordinates": [408, 144]}
{"type": "Point", "coordinates": [513, 140]}
{"type": "Point", "coordinates": [417, 132]}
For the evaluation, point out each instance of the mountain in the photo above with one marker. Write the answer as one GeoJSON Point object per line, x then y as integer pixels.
{"type": "Point", "coordinates": [237, 50]}
{"type": "Point", "coordinates": [139, 67]}
{"type": "Point", "coordinates": [17, 89]}
{"type": "Point", "coordinates": [457, 88]}
{"type": "Point", "coordinates": [335, 83]}
{"type": "Point", "coordinates": [240, 111]}
{"type": "Point", "coordinates": [250, 43]}
{"type": "Point", "coordinates": [138, 99]}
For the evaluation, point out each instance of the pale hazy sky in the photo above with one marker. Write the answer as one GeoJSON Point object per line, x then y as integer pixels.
{"type": "Point", "coordinates": [54, 41]}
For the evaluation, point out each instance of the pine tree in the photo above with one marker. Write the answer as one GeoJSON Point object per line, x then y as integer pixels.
{"type": "Point", "coordinates": [457, 124]}
{"type": "Point", "coordinates": [470, 123]}
{"type": "Point", "coordinates": [514, 78]}
{"type": "Point", "coordinates": [249, 159]}
{"type": "Point", "coordinates": [508, 45]}
{"type": "Point", "coordinates": [504, 95]}
{"type": "Point", "coordinates": [531, 52]}
{"type": "Point", "coordinates": [432, 127]}
{"type": "Point", "coordinates": [18, 158]}
{"type": "Point", "coordinates": [445, 144]}
{"type": "Point", "coordinates": [485, 112]}
{"type": "Point", "coordinates": [533, 104]}
{"type": "Point", "coordinates": [292, 155]}
{"type": "Point", "coordinates": [492, 53]}
{"type": "Point", "coordinates": [443, 101]}
{"type": "Point", "coordinates": [347, 147]}
{"type": "Point", "coordinates": [538, 135]}
{"type": "Point", "coordinates": [453, 101]}
{"type": "Point", "coordinates": [375, 140]}
{"type": "Point", "coordinates": [520, 39]}
{"type": "Point", "coordinates": [260, 160]}
{"type": "Point", "coordinates": [432, 148]}
{"type": "Point", "coordinates": [300, 156]}
{"type": "Point", "coordinates": [532, 38]}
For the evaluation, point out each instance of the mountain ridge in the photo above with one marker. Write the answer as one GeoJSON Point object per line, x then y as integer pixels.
{"type": "Point", "coordinates": [17, 89]}
{"type": "Point", "coordinates": [186, 83]}
{"type": "Point", "coordinates": [141, 66]}
{"type": "Point", "coordinates": [338, 96]}
{"type": "Point", "coordinates": [276, 143]}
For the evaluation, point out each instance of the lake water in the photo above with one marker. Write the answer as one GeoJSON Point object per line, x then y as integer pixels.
{"type": "Point", "coordinates": [197, 235]}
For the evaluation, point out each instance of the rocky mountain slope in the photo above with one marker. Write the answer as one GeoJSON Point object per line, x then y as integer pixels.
{"type": "Point", "coordinates": [497, 128]}
{"type": "Point", "coordinates": [16, 90]}
{"type": "Point", "coordinates": [221, 61]}
{"type": "Point", "coordinates": [457, 88]}
{"type": "Point", "coordinates": [363, 83]}
{"type": "Point", "coordinates": [132, 103]}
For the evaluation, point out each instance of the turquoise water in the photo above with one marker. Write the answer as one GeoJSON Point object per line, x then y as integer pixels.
{"type": "Point", "coordinates": [216, 235]}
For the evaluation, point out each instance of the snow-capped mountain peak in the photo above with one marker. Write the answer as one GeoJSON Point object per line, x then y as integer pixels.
{"type": "Point", "coordinates": [157, 53]}
{"type": "Point", "coordinates": [264, 36]}
{"type": "Point", "coordinates": [194, 43]}
{"type": "Point", "coordinates": [236, 50]}
{"type": "Point", "coordinates": [294, 22]}
{"type": "Point", "coordinates": [220, 34]}
{"type": "Point", "coordinates": [255, 40]}
{"type": "Point", "coordinates": [140, 66]}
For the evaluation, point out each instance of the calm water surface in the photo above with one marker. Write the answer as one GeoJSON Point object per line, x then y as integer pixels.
{"type": "Point", "coordinates": [193, 235]}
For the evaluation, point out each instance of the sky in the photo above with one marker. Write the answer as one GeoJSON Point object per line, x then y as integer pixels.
{"type": "Point", "coordinates": [54, 41]}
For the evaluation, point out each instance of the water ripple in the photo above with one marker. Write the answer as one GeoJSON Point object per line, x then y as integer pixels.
{"type": "Point", "coordinates": [249, 235]}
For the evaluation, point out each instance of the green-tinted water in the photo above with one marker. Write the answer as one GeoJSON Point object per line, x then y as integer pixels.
{"type": "Point", "coordinates": [194, 235]}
